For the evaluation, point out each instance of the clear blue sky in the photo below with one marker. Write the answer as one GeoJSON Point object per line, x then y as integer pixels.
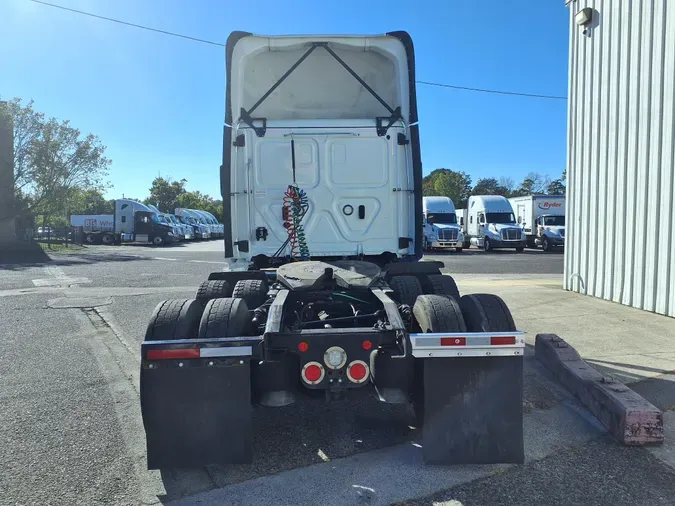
{"type": "Point", "coordinates": [157, 102]}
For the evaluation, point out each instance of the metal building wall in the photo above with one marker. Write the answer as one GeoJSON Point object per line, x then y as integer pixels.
{"type": "Point", "coordinates": [621, 154]}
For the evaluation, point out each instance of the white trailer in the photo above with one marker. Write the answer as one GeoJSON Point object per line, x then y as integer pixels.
{"type": "Point", "coordinates": [490, 223]}
{"type": "Point", "coordinates": [132, 222]}
{"type": "Point", "coordinates": [440, 224]}
{"type": "Point", "coordinates": [542, 218]}
{"type": "Point", "coordinates": [93, 222]}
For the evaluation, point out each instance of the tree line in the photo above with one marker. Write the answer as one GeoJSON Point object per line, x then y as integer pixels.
{"type": "Point", "coordinates": [458, 185]}
{"type": "Point", "coordinates": [59, 172]}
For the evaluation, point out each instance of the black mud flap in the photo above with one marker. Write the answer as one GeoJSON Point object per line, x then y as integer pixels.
{"type": "Point", "coordinates": [473, 410]}
{"type": "Point", "coordinates": [197, 414]}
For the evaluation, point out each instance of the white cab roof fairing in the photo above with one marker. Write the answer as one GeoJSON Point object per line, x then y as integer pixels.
{"type": "Point", "coordinates": [438, 204]}
{"type": "Point", "coordinates": [320, 87]}
{"type": "Point", "coordinates": [137, 206]}
{"type": "Point", "coordinates": [369, 79]}
{"type": "Point", "coordinates": [490, 203]}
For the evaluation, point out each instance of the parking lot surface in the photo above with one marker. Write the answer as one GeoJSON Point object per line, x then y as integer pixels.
{"type": "Point", "coordinates": [69, 407]}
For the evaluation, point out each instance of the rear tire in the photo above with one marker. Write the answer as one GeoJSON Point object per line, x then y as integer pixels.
{"type": "Point", "coordinates": [436, 313]}
{"type": "Point", "coordinates": [440, 284]}
{"type": "Point", "coordinates": [406, 289]}
{"type": "Point", "coordinates": [484, 312]}
{"type": "Point", "coordinates": [108, 239]}
{"type": "Point", "coordinates": [433, 313]}
{"type": "Point", "coordinates": [253, 291]}
{"type": "Point", "coordinates": [90, 238]}
{"type": "Point", "coordinates": [225, 318]}
{"type": "Point", "coordinates": [213, 289]}
{"type": "Point", "coordinates": [174, 319]}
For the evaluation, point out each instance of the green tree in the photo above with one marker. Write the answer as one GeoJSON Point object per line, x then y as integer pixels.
{"type": "Point", "coordinates": [489, 186]}
{"type": "Point", "coordinates": [556, 187]}
{"type": "Point", "coordinates": [533, 184]}
{"type": "Point", "coordinates": [449, 183]}
{"type": "Point", "coordinates": [89, 202]}
{"type": "Point", "coordinates": [165, 194]}
{"type": "Point", "coordinates": [51, 158]}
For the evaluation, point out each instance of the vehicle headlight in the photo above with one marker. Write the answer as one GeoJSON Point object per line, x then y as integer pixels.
{"type": "Point", "coordinates": [460, 236]}
{"type": "Point", "coordinates": [170, 234]}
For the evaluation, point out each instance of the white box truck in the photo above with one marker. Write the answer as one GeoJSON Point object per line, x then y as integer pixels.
{"type": "Point", "coordinates": [324, 293]}
{"type": "Point", "coordinates": [440, 224]}
{"type": "Point", "coordinates": [490, 223]}
{"type": "Point", "coordinates": [132, 222]}
{"type": "Point", "coordinates": [542, 217]}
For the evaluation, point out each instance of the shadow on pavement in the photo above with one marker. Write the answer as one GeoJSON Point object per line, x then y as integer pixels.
{"type": "Point", "coordinates": [304, 433]}
{"type": "Point", "coordinates": [19, 255]}
{"type": "Point", "coordinates": [31, 259]}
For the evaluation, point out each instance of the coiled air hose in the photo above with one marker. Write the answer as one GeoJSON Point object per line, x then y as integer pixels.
{"type": "Point", "coordinates": [296, 205]}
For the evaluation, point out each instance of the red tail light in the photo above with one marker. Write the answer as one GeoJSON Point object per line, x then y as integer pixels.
{"type": "Point", "coordinates": [496, 341]}
{"type": "Point", "coordinates": [303, 346]}
{"type": "Point", "coordinates": [313, 373]}
{"type": "Point", "coordinates": [358, 371]}
{"type": "Point", "coordinates": [366, 345]}
{"type": "Point", "coordinates": [173, 353]}
{"type": "Point", "coordinates": [453, 341]}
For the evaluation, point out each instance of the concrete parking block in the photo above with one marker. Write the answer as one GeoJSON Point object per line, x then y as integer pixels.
{"type": "Point", "coordinates": [628, 417]}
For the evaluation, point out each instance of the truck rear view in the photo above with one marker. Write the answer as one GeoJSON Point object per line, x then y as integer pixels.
{"type": "Point", "coordinates": [322, 175]}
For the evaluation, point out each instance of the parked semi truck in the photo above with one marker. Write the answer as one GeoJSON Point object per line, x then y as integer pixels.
{"type": "Point", "coordinates": [131, 222]}
{"type": "Point", "coordinates": [180, 231]}
{"type": "Point", "coordinates": [542, 217]}
{"type": "Point", "coordinates": [201, 230]}
{"type": "Point", "coordinates": [322, 184]}
{"type": "Point", "coordinates": [440, 224]}
{"type": "Point", "coordinates": [217, 229]}
{"type": "Point", "coordinates": [208, 230]}
{"type": "Point", "coordinates": [489, 223]}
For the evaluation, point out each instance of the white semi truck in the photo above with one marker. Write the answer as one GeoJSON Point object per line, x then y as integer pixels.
{"type": "Point", "coordinates": [542, 217]}
{"type": "Point", "coordinates": [131, 222]}
{"type": "Point", "coordinates": [201, 230]}
{"type": "Point", "coordinates": [324, 292]}
{"type": "Point", "coordinates": [440, 224]}
{"type": "Point", "coordinates": [199, 218]}
{"type": "Point", "coordinates": [489, 223]}
{"type": "Point", "coordinates": [181, 232]}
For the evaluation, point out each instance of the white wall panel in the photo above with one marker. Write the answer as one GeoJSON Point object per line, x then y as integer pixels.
{"type": "Point", "coordinates": [621, 154]}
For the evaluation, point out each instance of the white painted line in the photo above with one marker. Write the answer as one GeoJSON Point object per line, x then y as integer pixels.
{"type": "Point", "coordinates": [164, 258]}
{"type": "Point", "coordinates": [205, 262]}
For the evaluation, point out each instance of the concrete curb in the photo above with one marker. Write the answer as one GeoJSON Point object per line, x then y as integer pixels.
{"type": "Point", "coordinates": [630, 418]}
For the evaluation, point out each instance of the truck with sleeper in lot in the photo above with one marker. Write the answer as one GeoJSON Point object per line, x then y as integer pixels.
{"type": "Point", "coordinates": [201, 230]}
{"type": "Point", "coordinates": [324, 292]}
{"type": "Point", "coordinates": [489, 223]}
{"type": "Point", "coordinates": [199, 219]}
{"type": "Point", "coordinates": [440, 224]}
{"type": "Point", "coordinates": [217, 229]}
{"type": "Point", "coordinates": [542, 217]}
{"type": "Point", "coordinates": [131, 222]}
{"type": "Point", "coordinates": [178, 230]}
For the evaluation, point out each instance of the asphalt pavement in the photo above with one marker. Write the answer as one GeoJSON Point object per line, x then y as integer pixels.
{"type": "Point", "coordinates": [69, 409]}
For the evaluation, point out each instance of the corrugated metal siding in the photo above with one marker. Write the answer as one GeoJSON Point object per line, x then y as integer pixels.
{"type": "Point", "coordinates": [621, 154]}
